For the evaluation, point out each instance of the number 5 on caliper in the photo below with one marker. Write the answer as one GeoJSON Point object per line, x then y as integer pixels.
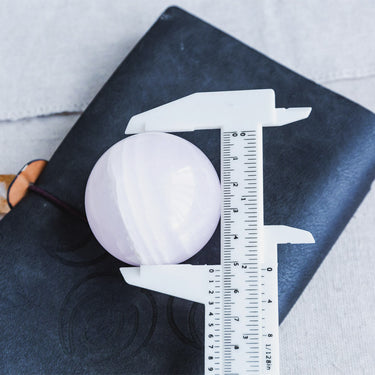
{"type": "Point", "coordinates": [240, 294]}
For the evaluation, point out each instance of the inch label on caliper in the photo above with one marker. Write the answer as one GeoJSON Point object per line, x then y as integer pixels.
{"type": "Point", "coordinates": [240, 294]}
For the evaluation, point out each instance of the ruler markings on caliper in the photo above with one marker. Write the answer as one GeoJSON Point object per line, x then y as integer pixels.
{"type": "Point", "coordinates": [240, 294]}
{"type": "Point", "coordinates": [235, 177]}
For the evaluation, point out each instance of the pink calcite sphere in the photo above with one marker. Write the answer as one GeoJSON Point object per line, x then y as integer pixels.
{"type": "Point", "coordinates": [153, 198]}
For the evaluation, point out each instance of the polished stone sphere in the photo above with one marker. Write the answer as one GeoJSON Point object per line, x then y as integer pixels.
{"type": "Point", "coordinates": [153, 198]}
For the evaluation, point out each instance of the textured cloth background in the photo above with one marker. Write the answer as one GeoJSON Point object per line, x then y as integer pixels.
{"type": "Point", "coordinates": [55, 56]}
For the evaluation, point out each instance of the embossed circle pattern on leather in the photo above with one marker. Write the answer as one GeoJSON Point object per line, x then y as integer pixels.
{"type": "Point", "coordinates": [100, 321]}
{"type": "Point", "coordinates": [71, 242]}
{"type": "Point", "coordinates": [188, 328]}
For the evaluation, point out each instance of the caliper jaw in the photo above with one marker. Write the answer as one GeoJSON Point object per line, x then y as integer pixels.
{"type": "Point", "coordinates": [214, 110]}
{"type": "Point", "coordinates": [187, 281]}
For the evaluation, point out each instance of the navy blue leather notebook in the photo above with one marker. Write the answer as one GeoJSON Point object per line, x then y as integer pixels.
{"type": "Point", "coordinates": [64, 307]}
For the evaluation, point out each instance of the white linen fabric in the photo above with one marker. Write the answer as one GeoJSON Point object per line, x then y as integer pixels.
{"type": "Point", "coordinates": [56, 55]}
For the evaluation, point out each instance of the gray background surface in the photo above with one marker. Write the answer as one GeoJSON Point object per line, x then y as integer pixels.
{"type": "Point", "coordinates": [55, 56]}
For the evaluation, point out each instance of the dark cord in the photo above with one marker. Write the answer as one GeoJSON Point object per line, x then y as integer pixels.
{"type": "Point", "coordinates": [56, 201]}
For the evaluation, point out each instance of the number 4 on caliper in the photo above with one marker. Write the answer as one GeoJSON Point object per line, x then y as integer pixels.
{"type": "Point", "coordinates": [240, 294]}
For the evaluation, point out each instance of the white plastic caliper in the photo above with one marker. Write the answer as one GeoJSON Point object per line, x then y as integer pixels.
{"type": "Point", "coordinates": [240, 295]}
